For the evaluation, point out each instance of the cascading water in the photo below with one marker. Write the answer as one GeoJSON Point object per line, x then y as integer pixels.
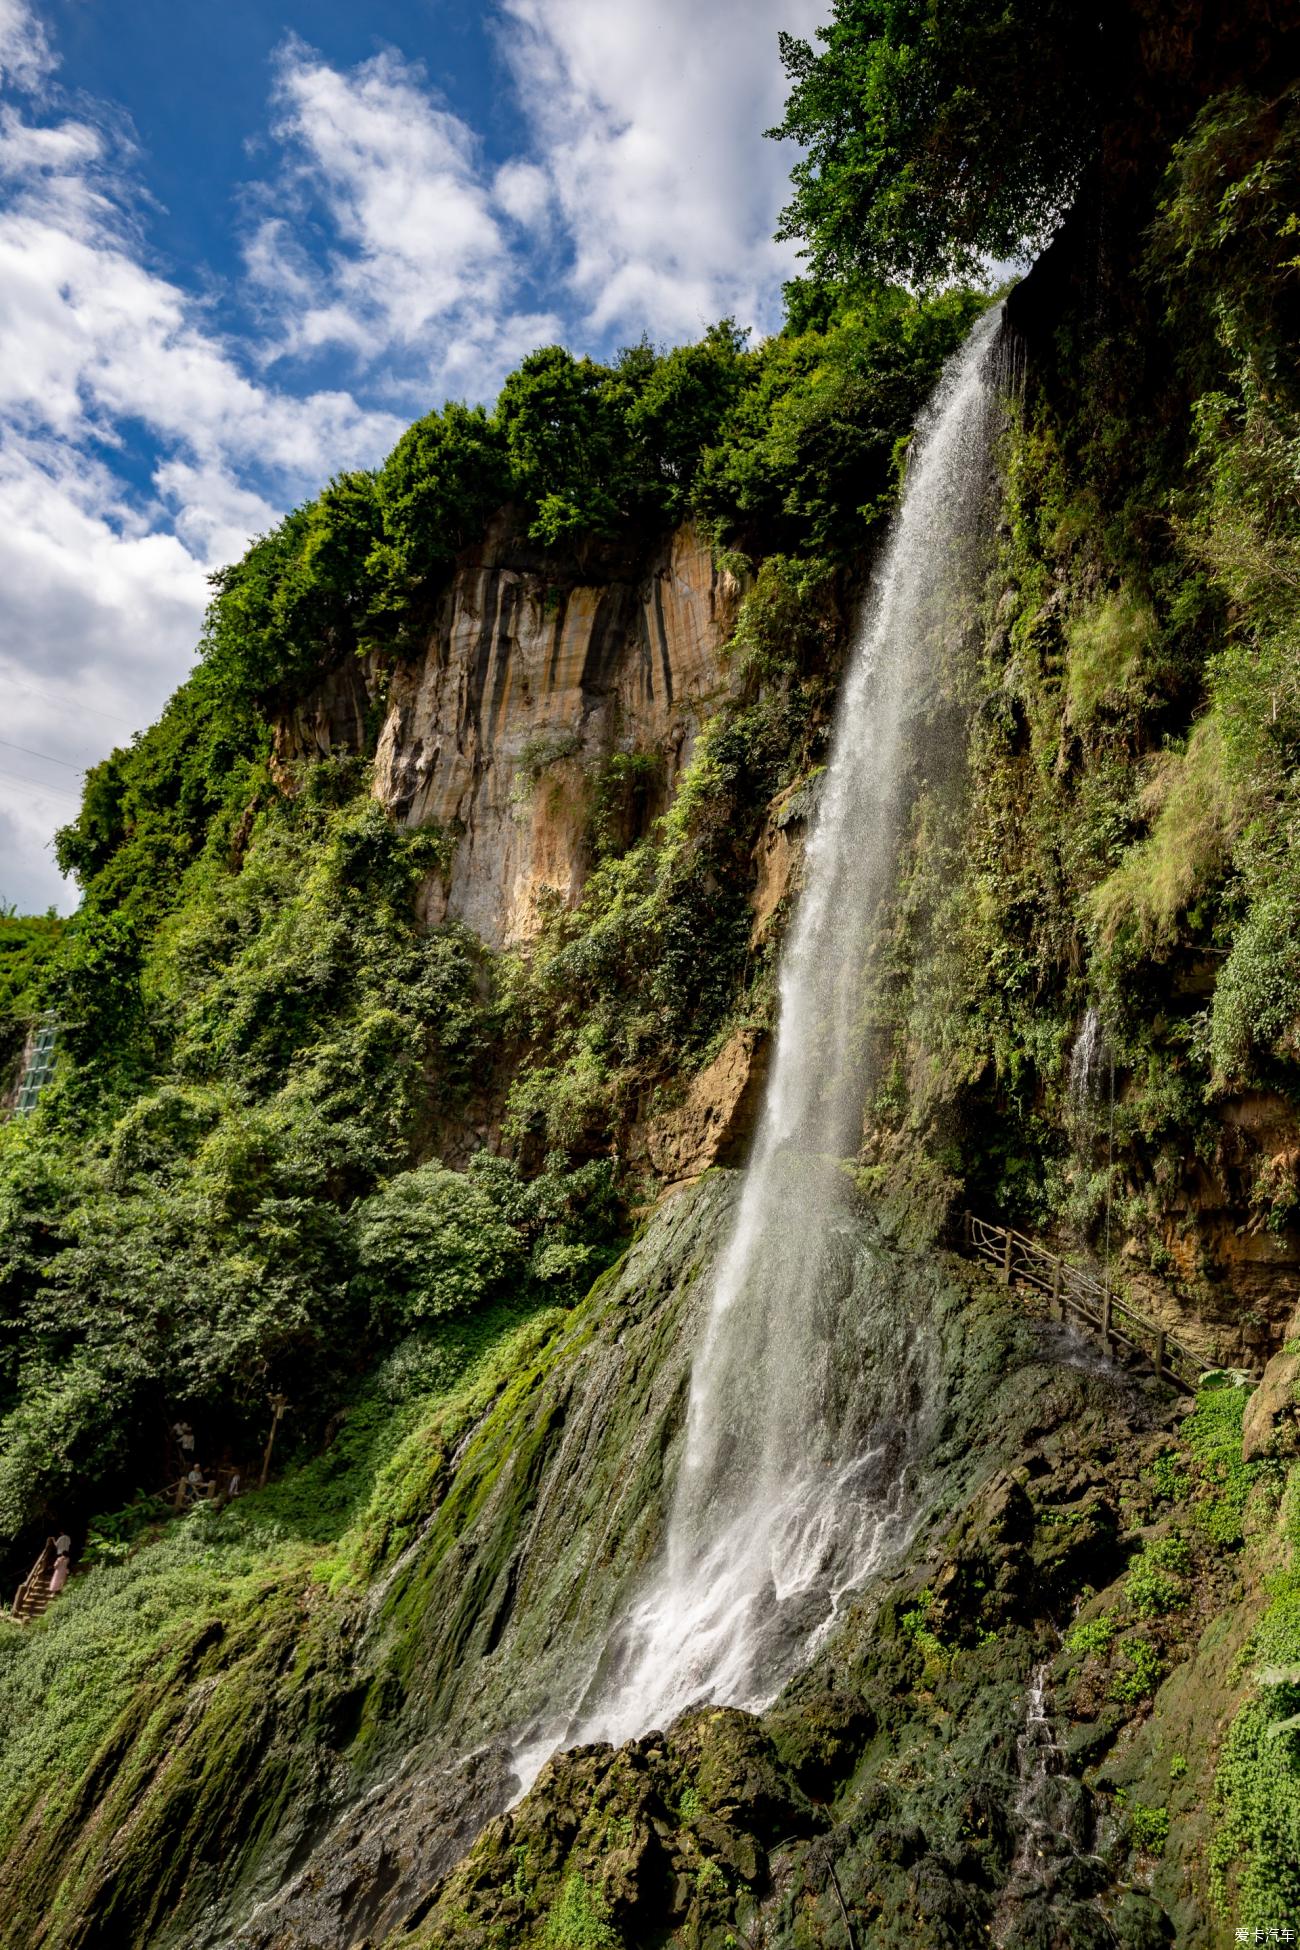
{"type": "Point", "coordinates": [1087, 1062]}
{"type": "Point", "coordinates": [793, 1484]}
{"type": "Point", "coordinates": [1091, 1124]}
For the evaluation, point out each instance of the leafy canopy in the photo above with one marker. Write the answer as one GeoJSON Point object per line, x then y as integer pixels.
{"type": "Point", "coordinates": [938, 132]}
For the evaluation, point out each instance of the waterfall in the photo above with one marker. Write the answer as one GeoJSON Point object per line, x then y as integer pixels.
{"type": "Point", "coordinates": [793, 1483]}
{"type": "Point", "coordinates": [1092, 1077]}
{"type": "Point", "coordinates": [1086, 1062]}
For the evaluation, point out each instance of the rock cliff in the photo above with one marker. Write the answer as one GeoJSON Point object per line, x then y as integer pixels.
{"type": "Point", "coordinates": [524, 687]}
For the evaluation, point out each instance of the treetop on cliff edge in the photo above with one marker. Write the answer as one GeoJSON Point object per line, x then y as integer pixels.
{"type": "Point", "coordinates": [938, 132]}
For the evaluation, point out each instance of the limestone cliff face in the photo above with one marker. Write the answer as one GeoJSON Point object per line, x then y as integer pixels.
{"type": "Point", "coordinates": [523, 691]}
{"type": "Point", "coordinates": [525, 686]}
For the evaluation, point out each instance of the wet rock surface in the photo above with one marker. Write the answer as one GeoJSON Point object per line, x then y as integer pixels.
{"type": "Point", "coordinates": [941, 1767]}
{"type": "Point", "coordinates": [1272, 1420]}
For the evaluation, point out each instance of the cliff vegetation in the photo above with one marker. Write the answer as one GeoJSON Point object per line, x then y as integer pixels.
{"type": "Point", "coordinates": [314, 1139]}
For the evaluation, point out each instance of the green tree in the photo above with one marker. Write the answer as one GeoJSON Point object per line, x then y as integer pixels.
{"type": "Point", "coordinates": [568, 445]}
{"type": "Point", "coordinates": [432, 1242]}
{"type": "Point", "coordinates": [680, 408]}
{"type": "Point", "coordinates": [444, 478]}
{"type": "Point", "coordinates": [940, 131]}
{"type": "Point", "coordinates": [299, 598]}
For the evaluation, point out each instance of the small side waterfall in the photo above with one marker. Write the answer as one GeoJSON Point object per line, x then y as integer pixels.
{"type": "Point", "coordinates": [1090, 1121]}
{"type": "Point", "coordinates": [1087, 1066]}
{"type": "Point", "coordinates": [795, 1477]}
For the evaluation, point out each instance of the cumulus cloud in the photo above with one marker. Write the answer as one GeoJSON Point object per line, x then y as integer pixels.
{"type": "Point", "coordinates": [102, 589]}
{"type": "Point", "coordinates": [523, 191]}
{"type": "Point", "coordinates": [98, 617]}
{"type": "Point", "coordinates": [646, 118]}
{"type": "Point", "coordinates": [418, 278]}
{"type": "Point", "coordinates": [400, 181]}
{"type": "Point", "coordinates": [641, 198]}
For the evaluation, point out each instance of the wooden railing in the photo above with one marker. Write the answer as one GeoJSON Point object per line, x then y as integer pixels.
{"type": "Point", "coordinates": [38, 1066]}
{"type": "Point", "coordinates": [33, 1594]}
{"type": "Point", "coordinates": [1081, 1299]}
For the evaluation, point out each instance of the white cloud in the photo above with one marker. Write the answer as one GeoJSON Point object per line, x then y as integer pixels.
{"type": "Point", "coordinates": [642, 198]}
{"type": "Point", "coordinates": [98, 618]}
{"type": "Point", "coordinates": [102, 590]}
{"type": "Point", "coordinates": [400, 180]}
{"type": "Point", "coordinates": [647, 117]}
{"type": "Point", "coordinates": [25, 56]}
{"type": "Point", "coordinates": [89, 335]}
{"type": "Point", "coordinates": [523, 190]}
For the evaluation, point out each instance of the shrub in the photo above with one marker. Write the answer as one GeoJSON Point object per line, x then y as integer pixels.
{"type": "Point", "coordinates": [431, 1242]}
{"type": "Point", "coordinates": [579, 1919]}
{"type": "Point", "coordinates": [1193, 809]}
{"type": "Point", "coordinates": [1091, 1636]}
{"type": "Point", "coordinates": [1156, 1582]}
{"type": "Point", "coordinates": [1143, 1674]}
{"type": "Point", "coordinates": [1168, 1479]}
{"type": "Point", "coordinates": [1213, 1435]}
{"type": "Point", "coordinates": [1148, 1827]}
{"type": "Point", "coordinates": [1108, 645]}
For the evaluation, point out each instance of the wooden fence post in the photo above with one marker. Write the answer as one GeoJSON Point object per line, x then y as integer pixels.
{"type": "Point", "coordinates": [278, 1404]}
{"type": "Point", "coordinates": [1105, 1320]}
{"type": "Point", "coordinates": [1006, 1262]}
{"type": "Point", "coordinates": [1160, 1353]}
{"type": "Point", "coordinates": [1058, 1311]}
{"type": "Point", "coordinates": [967, 1230]}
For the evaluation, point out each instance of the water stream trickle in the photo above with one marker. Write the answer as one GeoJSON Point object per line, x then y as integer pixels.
{"type": "Point", "coordinates": [796, 1478]}
{"type": "Point", "coordinates": [1087, 1067]}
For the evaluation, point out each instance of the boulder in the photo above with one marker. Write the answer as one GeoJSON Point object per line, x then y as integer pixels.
{"type": "Point", "coordinates": [1271, 1424]}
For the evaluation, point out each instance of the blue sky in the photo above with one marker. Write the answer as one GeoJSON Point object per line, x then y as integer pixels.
{"type": "Point", "coordinates": [242, 246]}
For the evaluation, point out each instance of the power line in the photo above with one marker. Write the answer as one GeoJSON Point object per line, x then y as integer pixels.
{"type": "Point", "coordinates": [68, 704]}
{"type": "Point", "coordinates": [34, 785]}
{"type": "Point", "coordinates": [48, 756]}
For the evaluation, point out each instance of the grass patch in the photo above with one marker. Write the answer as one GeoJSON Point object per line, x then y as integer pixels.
{"type": "Point", "coordinates": [1157, 1579]}
{"type": "Point", "coordinates": [234, 1581]}
{"type": "Point", "coordinates": [1224, 1482]}
{"type": "Point", "coordinates": [1095, 1635]}
{"type": "Point", "coordinates": [580, 1920]}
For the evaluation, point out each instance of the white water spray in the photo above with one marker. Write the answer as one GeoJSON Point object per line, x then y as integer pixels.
{"type": "Point", "coordinates": [794, 1481]}
{"type": "Point", "coordinates": [1086, 1061]}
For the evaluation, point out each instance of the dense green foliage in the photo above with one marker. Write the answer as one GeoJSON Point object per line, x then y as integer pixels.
{"type": "Point", "coordinates": [301, 1142]}
{"type": "Point", "coordinates": [253, 1602]}
{"type": "Point", "coordinates": [195, 1216]}
{"type": "Point", "coordinates": [1128, 839]}
{"type": "Point", "coordinates": [937, 135]}
{"type": "Point", "coordinates": [29, 947]}
{"type": "Point", "coordinates": [637, 985]}
{"type": "Point", "coordinates": [1255, 1863]}
{"type": "Point", "coordinates": [789, 444]}
{"type": "Point", "coordinates": [234, 1185]}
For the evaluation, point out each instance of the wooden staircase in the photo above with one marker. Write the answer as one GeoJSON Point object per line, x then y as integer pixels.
{"type": "Point", "coordinates": [33, 1594]}
{"type": "Point", "coordinates": [1080, 1300]}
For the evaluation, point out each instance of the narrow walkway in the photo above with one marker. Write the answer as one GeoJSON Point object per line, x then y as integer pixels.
{"type": "Point", "coordinates": [39, 1065]}
{"type": "Point", "coordinates": [33, 1594]}
{"type": "Point", "coordinates": [1082, 1300]}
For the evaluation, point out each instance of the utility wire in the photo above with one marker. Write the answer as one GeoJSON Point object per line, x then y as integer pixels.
{"type": "Point", "coordinates": [66, 703]}
{"type": "Point", "coordinates": [48, 756]}
{"type": "Point", "coordinates": [34, 785]}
